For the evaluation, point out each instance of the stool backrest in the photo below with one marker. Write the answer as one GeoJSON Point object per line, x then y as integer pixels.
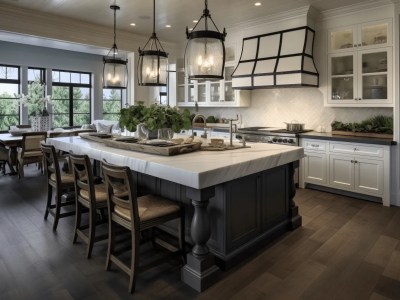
{"type": "Point", "coordinates": [51, 165]}
{"type": "Point", "coordinates": [121, 190]}
{"type": "Point", "coordinates": [31, 141]}
{"type": "Point", "coordinates": [83, 174]}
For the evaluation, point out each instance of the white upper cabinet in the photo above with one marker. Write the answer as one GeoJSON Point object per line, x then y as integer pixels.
{"type": "Point", "coordinates": [360, 65]}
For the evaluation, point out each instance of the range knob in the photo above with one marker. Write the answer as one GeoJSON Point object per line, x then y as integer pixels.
{"type": "Point", "coordinates": [285, 141]}
{"type": "Point", "coordinates": [274, 140]}
{"type": "Point", "coordinates": [290, 141]}
{"type": "Point", "coordinates": [280, 140]}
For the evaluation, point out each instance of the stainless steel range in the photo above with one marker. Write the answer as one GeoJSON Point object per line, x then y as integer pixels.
{"type": "Point", "coordinates": [270, 135]}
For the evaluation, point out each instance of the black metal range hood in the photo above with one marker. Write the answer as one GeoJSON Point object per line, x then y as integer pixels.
{"type": "Point", "coordinates": [277, 60]}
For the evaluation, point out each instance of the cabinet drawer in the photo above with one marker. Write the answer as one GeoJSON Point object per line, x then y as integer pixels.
{"type": "Point", "coordinates": [314, 145]}
{"type": "Point", "coordinates": [356, 149]}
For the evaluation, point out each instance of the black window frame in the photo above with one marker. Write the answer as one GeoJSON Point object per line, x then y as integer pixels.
{"type": "Point", "coordinates": [121, 90]}
{"type": "Point", "coordinates": [71, 87]}
{"type": "Point", "coordinates": [12, 81]}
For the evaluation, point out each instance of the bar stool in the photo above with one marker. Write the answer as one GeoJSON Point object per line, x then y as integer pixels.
{"type": "Point", "coordinates": [63, 183]}
{"type": "Point", "coordinates": [87, 195]}
{"type": "Point", "coordinates": [136, 214]}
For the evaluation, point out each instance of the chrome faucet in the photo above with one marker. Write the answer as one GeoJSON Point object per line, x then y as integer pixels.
{"type": "Point", "coordinates": [204, 135]}
{"type": "Point", "coordinates": [231, 132]}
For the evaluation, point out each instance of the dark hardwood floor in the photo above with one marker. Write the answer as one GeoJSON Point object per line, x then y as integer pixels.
{"type": "Point", "coordinates": [346, 249]}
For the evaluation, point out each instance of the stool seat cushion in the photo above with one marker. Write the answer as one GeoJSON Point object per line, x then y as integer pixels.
{"type": "Point", "coordinates": [65, 177]}
{"type": "Point", "coordinates": [99, 190]}
{"type": "Point", "coordinates": [150, 207]}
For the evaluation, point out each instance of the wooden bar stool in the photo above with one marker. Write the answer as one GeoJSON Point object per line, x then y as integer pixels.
{"type": "Point", "coordinates": [31, 150]}
{"type": "Point", "coordinates": [90, 195]}
{"type": "Point", "coordinates": [63, 183]}
{"type": "Point", "coordinates": [136, 214]}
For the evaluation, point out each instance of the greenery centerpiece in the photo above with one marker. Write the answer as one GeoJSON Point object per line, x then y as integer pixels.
{"type": "Point", "coordinates": [154, 117]}
{"type": "Point", "coordinates": [379, 126]}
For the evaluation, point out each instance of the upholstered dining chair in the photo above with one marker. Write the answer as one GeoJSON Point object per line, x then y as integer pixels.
{"type": "Point", "coordinates": [31, 151]}
{"type": "Point", "coordinates": [63, 183]}
{"type": "Point", "coordinates": [3, 158]}
{"type": "Point", "coordinates": [136, 214]}
{"type": "Point", "coordinates": [87, 195]}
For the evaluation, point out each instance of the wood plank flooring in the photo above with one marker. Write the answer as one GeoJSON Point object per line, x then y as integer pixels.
{"type": "Point", "coordinates": [346, 249]}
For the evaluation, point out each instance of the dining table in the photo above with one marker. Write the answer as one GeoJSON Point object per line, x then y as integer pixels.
{"type": "Point", "coordinates": [13, 142]}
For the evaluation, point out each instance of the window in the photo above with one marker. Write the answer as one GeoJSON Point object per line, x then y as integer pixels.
{"type": "Point", "coordinates": [38, 75]}
{"type": "Point", "coordinates": [9, 88]}
{"type": "Point", "coordinates": [71, 98]}
{"type": "Point", "coordinates": [112, 103]}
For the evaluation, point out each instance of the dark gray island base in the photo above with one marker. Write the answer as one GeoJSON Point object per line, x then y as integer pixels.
{"type": "Point", "coordinates": [231, 219]}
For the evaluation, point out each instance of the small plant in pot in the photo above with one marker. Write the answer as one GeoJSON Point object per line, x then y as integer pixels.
{"type": "Point", "coordinates": [154, 117]}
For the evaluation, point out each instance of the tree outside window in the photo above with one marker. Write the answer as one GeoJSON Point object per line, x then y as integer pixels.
{"type": "Point", "coordinates": [112, 103]}
{"type": "Point", "coordinates": [9, 89]}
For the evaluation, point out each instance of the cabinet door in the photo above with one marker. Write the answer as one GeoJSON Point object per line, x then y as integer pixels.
{"type": "Point", "coordinates": [215, 92]}
{"type": "Point", "coordinates": [368, 176]}
{"type": "Point", "coordinates": [375, 34]}
{"type": "Point", "coordinates": [229, 93]}
{"type": "Point", "coordinates": [342, 39]}
{"type": "Point", "coordinates": [341, 172]}
{"type": "Point", "coordinates": [342, 78]}
{"type": "Point", "coordinates": [375, 81]}
{"type": "Point", "coordinates": [315, 168]}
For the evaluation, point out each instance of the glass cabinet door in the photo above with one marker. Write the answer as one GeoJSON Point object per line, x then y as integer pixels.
{"type": "Point", "coordinates": [228, 91]}
{"type": "Point", "coordinates": [374, 34]}
{"type": "Point", "coordinates": [342, 77]}
{"type": "Point", "coordinates": [214, 91]}
{"type": "Point", "coordinates": [201, 91]}
{"type": "Point", "coordinates": [374, 75]}
{"type": "Point", "coordinates": [342, 39]}
{"type": "Point", "coordinates": [191, 92]}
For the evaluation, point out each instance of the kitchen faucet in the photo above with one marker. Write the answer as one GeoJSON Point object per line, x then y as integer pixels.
{"type": "Point", "coordinates": [204, 135]}
{"type": "Point", "coordinates": [231, 132]}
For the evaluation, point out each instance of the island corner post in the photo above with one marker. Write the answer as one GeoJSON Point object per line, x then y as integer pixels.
{"type": "Point", "coordinates": [262, 199]}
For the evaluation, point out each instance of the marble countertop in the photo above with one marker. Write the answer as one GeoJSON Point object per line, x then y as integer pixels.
{"type": "Point", "coordinates": [198, 169]}
{"type": "Point", "coordinates": [347, 138]}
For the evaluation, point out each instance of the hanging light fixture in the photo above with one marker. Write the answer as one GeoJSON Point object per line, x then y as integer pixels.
{"type": "Point", "coordinates": [205, 50]}
{"type": "Point", "coordinates": [115, 70]}
{"type": "Point", "coordinates": [153, 62]}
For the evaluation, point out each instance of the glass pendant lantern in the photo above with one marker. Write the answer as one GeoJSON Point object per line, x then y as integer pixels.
{"type": "Point", "coordinates": [153, 61]}
{"type": "Point", "coordinates": [205, 50]}
{"type": "Point", "coordinates": [115, 70]}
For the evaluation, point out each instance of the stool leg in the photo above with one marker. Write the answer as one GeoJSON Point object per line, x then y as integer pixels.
{"type": "Point", "coordinates": [58, 209]}
{"type": "Point", "coordinates": [111, 242]}
{"type": "Point", "coordinates": [134, 260]}
{"type": "Point", "coordinates": [78, 215]}
{"type": "Point", "coordinates": [92, 230]}
{"type": "Point", "coordinates": [49, 196]}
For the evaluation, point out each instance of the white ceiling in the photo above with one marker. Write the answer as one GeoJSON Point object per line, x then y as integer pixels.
{"type": "Point", "coordinates": [177, 13]}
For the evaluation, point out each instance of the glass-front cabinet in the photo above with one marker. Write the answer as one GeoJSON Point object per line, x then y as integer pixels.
{"type": "Point", "coordinates": [360, 65]}
{"type": "Point", "coordinates": [211, 93]}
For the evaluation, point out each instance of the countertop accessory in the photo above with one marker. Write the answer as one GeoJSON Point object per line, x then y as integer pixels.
{"type": "Point", "coordinates": [294, 126]}
{"type": "Point", "coordinates": [115, 70]}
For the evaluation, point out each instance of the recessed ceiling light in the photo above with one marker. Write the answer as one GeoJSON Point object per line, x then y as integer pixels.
{"type": "Point", "coordinates": [195, 21]}
{"type": "Point", "coordinates": [132, 24]}
{"type": "Point", "coordinates": [168, 26]}
{"type": "Point", "coordinates": [257, 4]}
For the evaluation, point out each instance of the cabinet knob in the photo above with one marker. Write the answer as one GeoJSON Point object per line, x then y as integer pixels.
{"type": "Point", "coordinates": [359, 45]}
{"type": "Point", "coordinates": [352, 161]}
{"type": "Point", "coordinates": [355, 162]}
{"type": "Point", "coordinates": [355, 45]}
{"type": "Point", "coordinates": [355, 149]}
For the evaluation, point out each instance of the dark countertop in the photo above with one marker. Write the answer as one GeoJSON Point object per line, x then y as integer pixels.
{"type": "Point", "coordinates": [346, 138]}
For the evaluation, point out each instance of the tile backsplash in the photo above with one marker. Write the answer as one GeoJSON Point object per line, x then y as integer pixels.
{"type": "Point", "coordinates": [272, 107]}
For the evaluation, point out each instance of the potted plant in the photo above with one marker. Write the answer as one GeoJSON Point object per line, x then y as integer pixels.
{"type": "Point", "coordinates": [377, 126]}
{"type": "Point", "coordinates": [154, 117]}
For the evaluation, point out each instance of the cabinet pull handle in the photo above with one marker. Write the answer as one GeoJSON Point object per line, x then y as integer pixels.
{"type": "Point", "coordinates": [359, 45]}
{"type": "Point", "coordinates": [352, 161]}
{"type": "Point", "coordinates": [355, 45]}
{"type": "Point", "coordinates": [355, 161]}
{"type": "Point", "coordinates": [355, 149]}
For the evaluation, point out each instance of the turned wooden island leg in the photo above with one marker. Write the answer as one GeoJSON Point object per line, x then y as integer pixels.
{"type": "Point", "coordinates": [200, 271]}
{"type": "Point", "coordinates": [295, 218]}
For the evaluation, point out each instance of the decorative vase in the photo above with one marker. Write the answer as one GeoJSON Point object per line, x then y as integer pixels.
{"type": "Point", "coordinates": [40, 123]}
{"type": "Point", "coordinates": [165, 134]}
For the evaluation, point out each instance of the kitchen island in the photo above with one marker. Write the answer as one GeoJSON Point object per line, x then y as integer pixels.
{"type": "Point", "coordinates": [236, 200]}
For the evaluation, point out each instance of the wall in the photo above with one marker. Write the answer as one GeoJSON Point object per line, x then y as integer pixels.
{"type": "Point", "coordinates": [272, 107]}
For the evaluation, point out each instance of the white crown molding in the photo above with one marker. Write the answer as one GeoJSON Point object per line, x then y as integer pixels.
{"type": "Point", "coordinates": [277, 17]}
{"type": "Point", "coordinates": [38, 24]}
{"type": "Point", "coordinates": [351, 9]}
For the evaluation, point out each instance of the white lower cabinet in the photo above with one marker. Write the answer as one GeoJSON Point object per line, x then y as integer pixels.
{"type": "Point", "coordinates": [359, 168]}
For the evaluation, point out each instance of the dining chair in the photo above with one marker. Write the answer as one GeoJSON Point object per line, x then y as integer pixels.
{"type": "Point", "coordinates": [87, 195]}
{"type": "Point", "coordinates": [62, 182]}
{"type": "Point", "coordinates": [4, 158]}
{"type": "Point", "coordinates": [136, 214]}
{"type": "Point", "coordinates": [30, 150]}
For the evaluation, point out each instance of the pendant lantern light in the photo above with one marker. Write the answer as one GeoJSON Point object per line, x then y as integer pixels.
{"type": "Point", "coordinates": [153, 61]}
{"type": "Point", "coordinates": [205, 50]}
{"type": "Point", "coordinates": [115, 70]}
